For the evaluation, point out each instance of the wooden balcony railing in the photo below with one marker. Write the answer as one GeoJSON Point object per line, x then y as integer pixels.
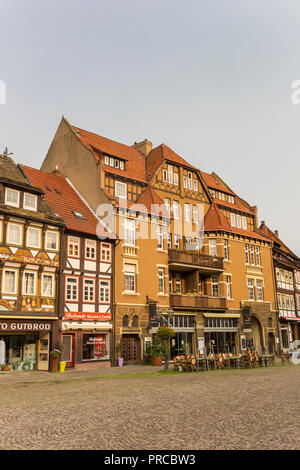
{"type": "Point", "coordinates": [197, 301]}
{"type": "Point", "coordinates": [196, 260]}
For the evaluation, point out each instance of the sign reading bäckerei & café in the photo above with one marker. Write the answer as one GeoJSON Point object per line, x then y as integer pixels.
{"type": "Point", "coordinates": [25, 325]}
{"type": "Point", "coordinates": [87, 316]}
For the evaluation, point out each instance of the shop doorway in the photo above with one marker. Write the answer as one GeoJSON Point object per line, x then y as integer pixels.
{"type": "Point", "coordinates": [131, 349]}
{"type": "Point", "coordinates": [182, 344]}
{"type": "Point", "coordinates": [69, 348]}
{"type": "Point", "coordinates": [271, 343]}
{"type": "Point", "coordinates": [254, 337]}
{"type": "Point", "coordinates": [220, 342]}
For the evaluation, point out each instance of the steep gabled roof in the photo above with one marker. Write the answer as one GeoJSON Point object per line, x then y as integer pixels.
{"type": "Point", "coordinates": [153, 203]}
{"type": "Point", "coordinates": [135, 165]}
{"type": "Point", "coordinates": [66, 202]}
{"type": "Point", "coordinates": [276, 240]}
{"type": "Point", "coordinates": [161, 153]}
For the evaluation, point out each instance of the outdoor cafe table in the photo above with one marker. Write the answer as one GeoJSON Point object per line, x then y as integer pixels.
{"type": "Point", "coordinates": [236, 361]}
{"type": "Point", "coordinates": [267, 359]}
{"type": "Point", "coordinates": [206, 361]}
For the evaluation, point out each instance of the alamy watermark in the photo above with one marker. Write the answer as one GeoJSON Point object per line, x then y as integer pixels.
{"type": "Point", "coordinates": [2, 92]}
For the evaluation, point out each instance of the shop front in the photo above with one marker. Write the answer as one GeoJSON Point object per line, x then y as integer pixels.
{"type": "Point", "coordinates": [184, 341]}
{"type": "Point", "coordinates": [86, 345]}
{"type": "Point", "coordinates": [24, 344]}
{"type": "Point", "coordinates": [289, 330]}
{"type": "Point", "coordinates": [221, 333]}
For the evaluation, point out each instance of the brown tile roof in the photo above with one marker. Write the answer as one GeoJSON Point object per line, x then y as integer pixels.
{"type": "Point", "coordinates": [63, 199]}
{"type": "Point", "coordinates": [276, 240]}
{"type": "Point", "coordinates": [161, 153]}
{"type": "Point", "coordinates": [216, 221]}
{"type": "Point", "coordinates": [150, 199]}
{"type": "Point", "coordinates": [135, 166]}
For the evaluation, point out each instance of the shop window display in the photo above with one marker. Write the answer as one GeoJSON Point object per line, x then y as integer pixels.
{"type": "Point", "coordinates": [95, 347]}
{"type": "Point", "coordinates": [17, 352]}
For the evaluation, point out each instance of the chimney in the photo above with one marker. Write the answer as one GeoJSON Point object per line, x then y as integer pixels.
{"type": "Point", "coordinates": [263, 223]}
{"type": "Point", "coordinates": [145, 146]}
{"type": "Point", "coordinates": [276, 233]}
{"type": "Point", "coordinates": [56, 171]}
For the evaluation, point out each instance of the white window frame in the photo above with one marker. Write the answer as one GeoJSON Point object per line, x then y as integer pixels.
{"type": "Point", "coordinates": [26, 206]}
{"type": "Point", "coordinates": [259, 290]}
{"type": "Point", "coordinates": [105, 248]}
{"type": "Point", "coordinates": [46, 240]}
{"type": "Point", "coordinates": [175, 210]}
{"type": "Point", "coordinates": [185, 182]}
{"type": "Point", "coordinates": [238, 221]}
{"type": "Point", "coordinates": [129, 232]}
{"type": "Point", "coordinates": [195, 185]}
{"type": "Point", "coordinates": [228, 287]}
{"type": "Point", "coordinates": [9, 225]}
{"type": "Point", "coordinates": [123, 194]}
{"type": "Point", "coordinates": [131, 273]}
{"type": "Point", "coordinates": [9, 203]}
{"type": "Point", "coordinates": [73, 298]}
{"type": "Point", "coordinates": [176, 241]}
{"type": "Point", "coordinates": [90, 247]}
{"type": "Point", "coordinates": [258, 256]}
{"type": "Point", "coordinates": [25, 292]}
{"type": "Point", "coordinates": [161, 280]}
{"type": "Point", "coordinates": [28, 243]}
{"type": "Point", "coordinates": [226, 249]}
{"type": "Point", "coordinates": [212, 242]}
{"type": "Point", "coordinates": [160, 237]}
{"type": "Point", "coordinates": [89, 289]}
{"type": "Point", "coordinates": [250, 285]}
{"type": "Point", "coordinates": [170, 174]}
{"type": "Point", "coordinates": [195, 214]}
{"type": "Point", "coordinates": [165, 176]}
{"type": "Point", "coordinates": [176, 179]}
{"type": "Point", "coordinates": [244, 223]}
{"type": "Point", "coordinates": [232, 219]}
{"type": "Point", "coordinates": [14, 291]}
{"type": "Point", "coordinates": [187, 213]}
{"type": "Point", "coordinates": [104, 291]}
{"type": "Point", "coordinates": [46, 274]}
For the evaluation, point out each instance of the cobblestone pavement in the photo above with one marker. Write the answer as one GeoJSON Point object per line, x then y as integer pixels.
{"type": "Point", "coordinates": [239, 409]}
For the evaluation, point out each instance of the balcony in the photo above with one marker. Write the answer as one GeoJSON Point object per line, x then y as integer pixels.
{"type": "Point", "coordinates": [197, 301]}
{"type": "Point", "coordinates": [184, 261]}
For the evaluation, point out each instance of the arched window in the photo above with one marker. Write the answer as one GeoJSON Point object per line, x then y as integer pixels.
{"type": "Point", "coordinates": [135, 322]}
{"type": "Point", "coordinates": [125, 321]}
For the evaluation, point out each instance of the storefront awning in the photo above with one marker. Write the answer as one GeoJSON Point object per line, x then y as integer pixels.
{"type": "Point", "coordinates": [221, 315]}
{"type": "Point", "coordinates": [86, 326]}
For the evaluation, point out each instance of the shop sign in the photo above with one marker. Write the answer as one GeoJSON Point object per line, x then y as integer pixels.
{"type": "Point", "coordinates": [87, 316]}
{"type": "Point", "coordinates": [31, 326]}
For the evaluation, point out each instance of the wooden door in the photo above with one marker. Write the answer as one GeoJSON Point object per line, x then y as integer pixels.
{"type": "Point", "coordinates": [131, 351]}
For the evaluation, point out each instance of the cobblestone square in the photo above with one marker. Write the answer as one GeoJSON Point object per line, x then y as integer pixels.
{"type": "Point", "coordinates": [238, 409]}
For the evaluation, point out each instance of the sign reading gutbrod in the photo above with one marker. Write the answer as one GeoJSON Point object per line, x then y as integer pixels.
{"type": "Point", "coordinates": [18, 325]}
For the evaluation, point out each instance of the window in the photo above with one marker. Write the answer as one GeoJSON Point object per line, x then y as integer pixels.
{"type": "Point", "coordinates": [29, 283]}
{"type": "Point", "coordinates": [135, 322]}
{"type": "Point", "coordinates": [177, 282]}
{"type": "Point", "coordinates": [232, 219]}
{"type": "Point", "coordinates": [125, 321]}
{"type": "Point", "coordinates": [170, 283]}
{"type": "Point", "coordinates": [228, 287]}
{"type": "Point", "coordinates": [244, 223]}
{"type": "Point", "coordinates": [195, 214]}
{"type": "Point", "coordinates": [104, 292]}
{"type": "Point", "coordinates": [73, 247]}
{"type": "Point", "coordinates": [129, 278]}
{"type": "Point", "coordinates": [176, 241]}
{"type": "Point", "coordinates": [176, 210]}
{"type": "Point", "coordinates": [187, 212]}
{"type": "Point", "coordinates": [250, 289]}
{"type": "Point", "coordinates": [169, 240]}
{"type": "Point", "coordinates": [168, 204]}
{"type": "Point", "coordinates": [252, 255]}
{"type": "Point", "coordinates": [170, 174]}
{"type": "Point", "coordinates": [117, 163]}
{"type": "Point", "coordinates": [71, 289]}
{"type": "Point", "coordinates": [10, 281]}
{"type": "Point", "coordinates": [161, 281]}
{"type": "Point", "coordinates": [112, 162]}
{"type": "Point", "coordinates": [247, 254]}
{"type": "Point", "coordinates": [14, 234]}
{"type": "Point", "coordinates": [95, 347]}
{"type": "Point", "coordinates": [90, 249]}
{"type": "Point", "coordinates": [30, 202]}
{"type": "Point", "coordinates": [226, 250]}
{"type": "Point", "coordinates": [185, 182]}
{"type": "Point", "coordinates": [231, 199]}
{"type": "Point", "coordinates": [212, 192]}
{"type": "Point", "coordinates": [165, 176]}
{"type": "Point", "coordinates": [160, 237]}
{"type": "Point", "coordinates": [33, 237]}
{"type": "Point", "coordinates": [106, 160]}
{"type": "Point", "coordinates": [89, 290]}
{"type": "Point", "coordinates": [106, 252]}
{"type": "Point", "coordinates": [120, 190]}
{"type": "Point", "coordinates": [12, 197]}
{"type": "Point", "coordinates": [238, 221]}
{"type": "Point", "coordinates": [258, 257]}
{"type": "Point", "coordinates": [129, 232]}
{"type": "Point", "coordinates": [195, 185]}
{"type": "Point", "coordinates": [213, 247]}
{"type": "Point", "coordinates": [51, 240]}
{"type": "Point", "coordinates": [47, 285]}
{"type": "Point", "coordinates": [190, 178]}
{"type": "Point", "coordinates": [259, 290]}
{"type": "Point", "coordinates": [176, 179]}
{"type": "Point", "coordinates": [215, 286]}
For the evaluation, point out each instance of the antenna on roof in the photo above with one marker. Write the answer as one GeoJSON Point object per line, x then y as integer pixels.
{"type": "Point", "coordinates": [5, 152]}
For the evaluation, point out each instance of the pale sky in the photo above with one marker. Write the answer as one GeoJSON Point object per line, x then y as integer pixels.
{"type": "Point", "coordinates": [210, 78]}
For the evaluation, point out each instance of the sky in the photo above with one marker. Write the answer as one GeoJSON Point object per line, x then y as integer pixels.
{"type": "Point", "coordinates": [212, 79]}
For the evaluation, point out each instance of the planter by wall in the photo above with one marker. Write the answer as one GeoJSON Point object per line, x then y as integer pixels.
{"type": "Point", "coordinates": [120, 361]}
{"type": "Point", "coordinates": [156, 361]}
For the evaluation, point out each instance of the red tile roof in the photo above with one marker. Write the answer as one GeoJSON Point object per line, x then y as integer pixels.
{"type": "Point", "coordinates": [135, 165]}
{"type": "Point", "coordinates": [161, 153]}
{"type": "Point", "coordinates": [63, 200]}
{"type": "Point", "coordinates": [216, 221]}
{"type": "Point", "coordinates": [150, 199]}
{"type": "Point", "coordinates": [272, 236]}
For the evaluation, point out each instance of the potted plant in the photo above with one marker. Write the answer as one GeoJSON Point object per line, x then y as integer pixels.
{"type": "Point", "coordinates": [164, 333]}
{"type": "Point", "coordinates": [119, 349]}
{"type": "Point", "coordinates": [156, 352]}
{"type": "Point", "coordinates": [54, 355]}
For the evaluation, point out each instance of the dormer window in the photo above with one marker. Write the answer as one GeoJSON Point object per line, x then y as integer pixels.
{"type": "Point", "coordinates": [78, 215]}
{"type": "Point", "coordinates": [120, 189]}
{"type": "Point", "coordinates": [30, 202]}
{"type": "Point", "coordinates": [112, 162]}
{"type": "Point", "coordinates": [12, 197]}
{"type": "Point", "coordinates": [122, 165]}
{"type": "Point", "coordinates": [117, 163]}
